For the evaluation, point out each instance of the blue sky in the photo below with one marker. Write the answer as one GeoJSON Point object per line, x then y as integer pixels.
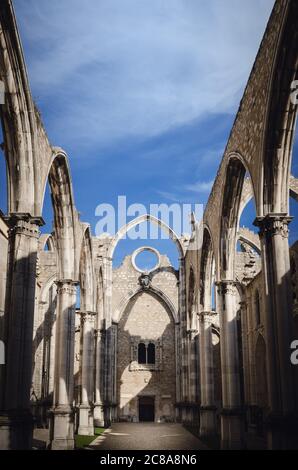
{"type": "Point", "coordinates": [140, 94]}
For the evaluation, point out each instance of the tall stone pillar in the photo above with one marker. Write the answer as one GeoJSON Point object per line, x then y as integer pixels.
{"type": "Point", "coordinates": [62, 424]}
{"type": "Point", "coordinates": [245, 349]}
{"type": "Point", "coordinates": [184, 341]}
{"type": "Point", "coordinates": [278, 296]}
{"type": "Point", "coordinates": [232, 413]}
{"type": "Point", "coordinates": [99, 378]}
{"type": "Point", "coordinates": [194, 393]}
{"type": "Point", "coordinates": [86, 425]}
{"type": "Point", "coordinates": [208, 408]}
{"type": "Point", "coordinates": [178, 370]}
{"type": "Point", "coordinates": [108, 359]}
{"type": "Point", "coordinates": [114, 371]}
{"type": "Point", "coordinates": [16, 424]}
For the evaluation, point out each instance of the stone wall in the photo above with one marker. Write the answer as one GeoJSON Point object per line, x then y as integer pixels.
{"type": "Point", "coordinates": [145, 318]}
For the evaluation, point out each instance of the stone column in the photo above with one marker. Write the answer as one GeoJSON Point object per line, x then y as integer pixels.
{"type": "Point", "coordinates": [278, 326]}
{"type": "Point", "coordinates": [86, 425]}
{"type": "Point", "coordinates": [107, 377]}
{"type": "Point", "coordinates": [114, 372]}
{"type": "Point", "coordinates": [99, 379]}
{"type": "Point", "coordinates": [62, 424]}
{"type": "Point", "coordinates": [183, 339]}
{"type": "Point", "coordinates": [177, 368]}
{"type": "Point", "coordinates": [16, 424]}
{"type": "Point", "coordinates": [245, 349]}
{"type": "Point", "coordinates": [232, 413]}
{"type": "Point", "coordinates": [107, 373]}
{"type": "Point", "coordinates": [193, 354]}
{"type": "Point", "coordinates": [208, 408]}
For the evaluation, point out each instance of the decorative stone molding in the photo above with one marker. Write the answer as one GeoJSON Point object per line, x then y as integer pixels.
{"type": "Point", "coordinates": [274, 224]}
{"type": "Point", "coordinates": [145, 281]}
{"type": "Point", "coordinates": [140, 250]}
{"type": "Point", "coordinates": [24, 224]}
{"type": "Point", "coordinates": [66, 286]}
{"type": "Point", "coordinates": [207, 316]}
{"type": "Point", "coordinates": [226, 287]}
{"type": "Point", "coordinates": [88, 316]}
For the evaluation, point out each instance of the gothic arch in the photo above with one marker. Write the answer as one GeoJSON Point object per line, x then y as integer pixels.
{"type": "Point", "coordinates": [17, 115]}
{"type": "Point", "coordinates": [139, 220]}
{"type": "Point", "coordinates": [86, 273]}
{"type": "Point", "coordinates": [281, 117]}
{"type": "Point", "coordinates": [47, 240]}
{"type": "Point", "coordinates": [206, 267]}
{"type": "Point", "coordinates": [250, 238]}
{"type": "Point", "coordinates": [191, 301]}
{"type": "Point", "coordinates": [100, 298]}
{"type": "Point", "coordinates": [230, 211]}
{"type": "Point", "coordinates": [64, 214]}
{"type": "Point", "coordinates": [155, 292]}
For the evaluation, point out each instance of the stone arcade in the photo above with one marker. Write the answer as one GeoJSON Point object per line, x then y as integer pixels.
{"type": "Point", "coordinates": [206, 344]}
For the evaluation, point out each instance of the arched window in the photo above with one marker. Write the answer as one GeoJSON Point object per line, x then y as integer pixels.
{"type": "Point", "coordinates": [257, 308]}
{"type": "Point", "coordinates": [151, 353]}
{"type": "Point", "coordinates": [142, 353]}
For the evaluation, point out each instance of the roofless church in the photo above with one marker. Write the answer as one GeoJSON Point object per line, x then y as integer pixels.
{"type": "Point", "coordinates": [209, 342]}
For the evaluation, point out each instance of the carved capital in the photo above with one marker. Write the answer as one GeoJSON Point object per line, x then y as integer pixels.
{"type": "Point", "coordinates": [273, 225]}
{"type": "Point", "coordinates": [66, 286]}
{"type": "Point", "coordinates": [207, 316]}
{"type": "Point", "coordinates": [226, 287]}
{"type": "Point", "coordinates": [23, 224]}
{"type": "Point", "coordinates": [88, 316]}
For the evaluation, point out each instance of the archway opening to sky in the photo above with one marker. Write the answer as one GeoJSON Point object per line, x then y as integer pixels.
{"type": "Point", "coordinates": [128, 245]}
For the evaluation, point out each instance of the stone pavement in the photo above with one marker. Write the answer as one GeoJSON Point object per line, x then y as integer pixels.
{"type": "Point", "coordinates": [147, 436]}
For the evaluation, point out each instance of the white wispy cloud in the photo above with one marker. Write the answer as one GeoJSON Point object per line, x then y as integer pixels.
{"type": "Point", "coordinates": [170, 196]}
{"type": "Point", "coordinates": [115, 69]}
{"type": "Point", "coordinates": [199, 186]}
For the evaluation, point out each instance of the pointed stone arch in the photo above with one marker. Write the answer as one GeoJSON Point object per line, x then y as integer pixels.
{"type": "Point", "coordinates": [155, 292]}
{"type": "Point", "coordinates": [235, 172]}
{"type": "Point", "coordinates": [281, 117]}
{"type": "Point", "coordinates": [47, 240]}
{"type": "Point", "coordinates": [17, 115]}
{"type": "Point", "coordinates": [86, 272]}
{"type": "Point", "coordinates": [139, 220]}
{"type": "Point", "coordinates": [207, 265]}
{"type": "Point", "coordinates": [64, 214]}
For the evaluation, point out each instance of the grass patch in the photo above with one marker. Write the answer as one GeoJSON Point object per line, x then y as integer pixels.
{"type": "Point", "coordinates": [84, 441]}
{"type": "Point", "coordinates": [98, 431]}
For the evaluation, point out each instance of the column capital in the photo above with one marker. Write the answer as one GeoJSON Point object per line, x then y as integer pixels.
{"type": "Point", "coordinates": [88, 316]}
{"type": "Point", "coordinates": [14, 217]}
{"type": "Point", "coordinates": [226, 286]}
{"type": "Point", "coordinates": [66, 285]}
{"type": "Point", "coordinates": [274, 224]}
{"type": "Point", "coordinates": [207, 316]}
{"type": "Point", "coordinates": [23, 224]}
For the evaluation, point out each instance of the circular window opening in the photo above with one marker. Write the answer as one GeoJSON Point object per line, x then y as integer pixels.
{"type": "Point", "coordinates": [146, 259]}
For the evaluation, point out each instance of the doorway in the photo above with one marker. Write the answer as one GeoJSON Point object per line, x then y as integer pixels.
{"type": "Point", "coordinates": [146, 409]}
